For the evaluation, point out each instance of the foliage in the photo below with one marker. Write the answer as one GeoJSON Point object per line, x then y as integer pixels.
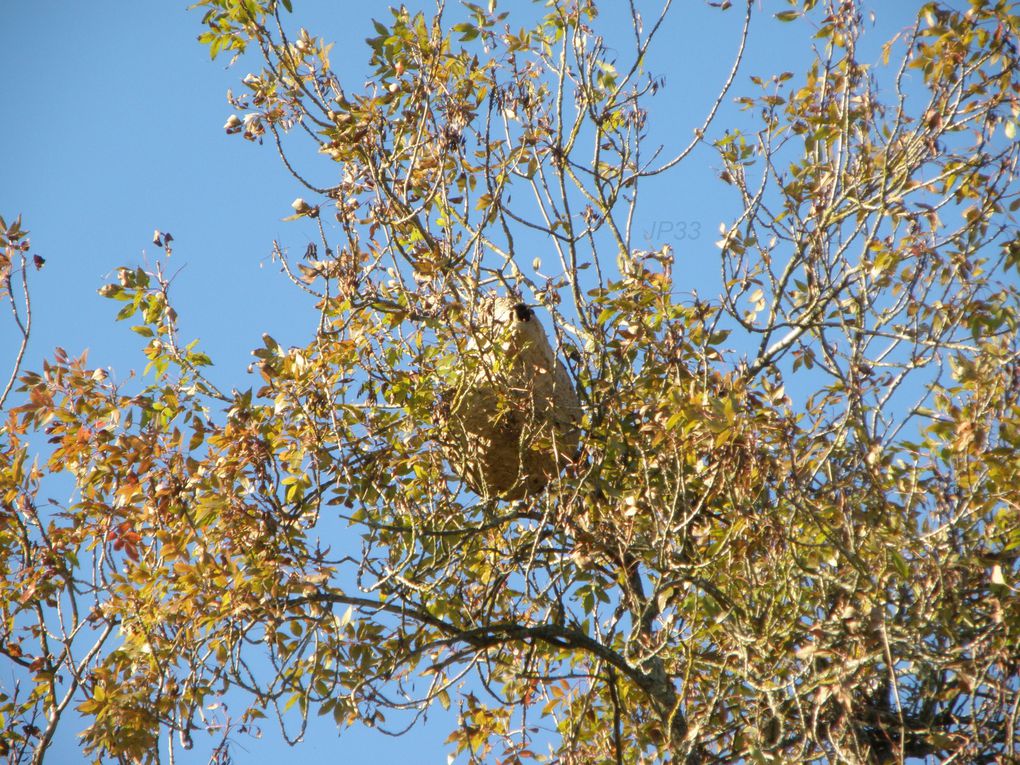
{"type": "Point", "coordinates": [791, 533]}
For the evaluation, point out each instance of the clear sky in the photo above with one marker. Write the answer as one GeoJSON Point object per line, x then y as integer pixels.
{"type": "Point", "coordinates": [112, 127]}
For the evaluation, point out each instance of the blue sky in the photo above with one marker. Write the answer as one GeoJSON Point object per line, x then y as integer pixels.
{"type": "Point", "coordinates": [113, 128]}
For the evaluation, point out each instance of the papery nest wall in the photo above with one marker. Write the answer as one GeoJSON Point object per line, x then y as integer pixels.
{"type": "Point", "coordinates": [512, 416]}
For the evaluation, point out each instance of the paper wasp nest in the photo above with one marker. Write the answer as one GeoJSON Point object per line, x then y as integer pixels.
{"type": "Point", "coordinates": [513, 416]}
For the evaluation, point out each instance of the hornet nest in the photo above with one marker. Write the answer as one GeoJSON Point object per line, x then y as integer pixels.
{"type": "Point", "coordinates": [512, 419]}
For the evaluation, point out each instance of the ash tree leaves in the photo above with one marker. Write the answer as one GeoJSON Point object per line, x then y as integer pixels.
{"type": "Point", "coordinates": [789, 533]}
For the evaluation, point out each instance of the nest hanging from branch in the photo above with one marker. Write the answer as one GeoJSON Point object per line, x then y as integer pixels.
{"type": "Point", "coordinates": [513, 417]}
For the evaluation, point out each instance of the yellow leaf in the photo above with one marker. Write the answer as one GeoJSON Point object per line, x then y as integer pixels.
{"type": "Point", "coordinates": [997, 577]}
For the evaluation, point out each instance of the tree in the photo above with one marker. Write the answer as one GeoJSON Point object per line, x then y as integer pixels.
{"type": "Point", "coordinates": [723, 571]}
{"type": "Point", "coordinates": [14, 288]}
